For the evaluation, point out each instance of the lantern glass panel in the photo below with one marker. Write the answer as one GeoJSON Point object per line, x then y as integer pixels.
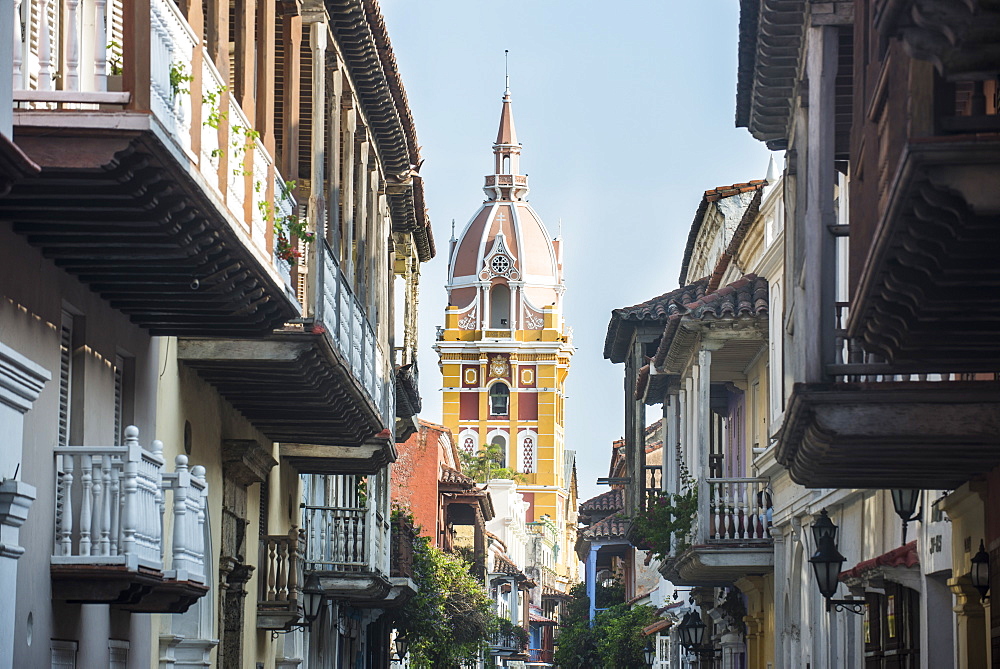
{"type": "Point", "coordinates": [649, 653]}
{"type": "Point", "coordinates": [823, 527]}
{"type": "Point", "coordinates": [827, 562]}
{"type": "Point", "coordinates": [904, 501]}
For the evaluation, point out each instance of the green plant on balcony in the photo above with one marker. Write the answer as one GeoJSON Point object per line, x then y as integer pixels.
{"type": "Point", "coordinates": [287, 228]}
{"type": "Point", "coordinates": [115, 58]}
{"type": "Point", "coordinates": [667, 519]}
{"type": "Point", "coordinates": [179, 78]}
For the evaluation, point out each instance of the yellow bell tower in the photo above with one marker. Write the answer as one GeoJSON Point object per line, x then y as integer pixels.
{"type": "Point", "coordinates": [504, 351]}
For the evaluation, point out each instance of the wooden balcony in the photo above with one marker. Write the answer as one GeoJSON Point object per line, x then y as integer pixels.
{"type": "Point", "coordinates": [163, 211]}
{"type": "Point", "coordinates": [924, 212]}
{"type": "Point", "coordinates": [324, 389]}
{"type": "Point", "coordinates": [876, 425]}
{"type": "Point", "coordinates": [347, 550]}
{"type": "Point", "coordinates": [731, 535]}
{"type": "Point", "coordinates": [110, 506]}
{"type": "Point", "coordinates": [281, 577]}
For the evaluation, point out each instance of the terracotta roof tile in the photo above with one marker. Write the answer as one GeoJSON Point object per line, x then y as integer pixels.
{"type": "Point", "coordinates": [747, 297]}
{"type": "Point", "coordinates": [655, 310]}
{"type": "Point", "coordinates": [612, 527]}
{"type": "Point", "coordinates": [504, 565]}
{"type": "Point", "coordinates": [612, 500]}
{"type": "Point", "coordinates": [903, 556]}
{"type": "Point", "coordinates": [455, 477]}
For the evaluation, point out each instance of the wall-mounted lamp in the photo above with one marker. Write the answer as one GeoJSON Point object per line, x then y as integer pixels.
{"type": "Point", "coordinates": [980, 574]}
{"type": "Point", "coordinates": [904, 501]}
{"type": "Point", "coordinates": [826, 562]}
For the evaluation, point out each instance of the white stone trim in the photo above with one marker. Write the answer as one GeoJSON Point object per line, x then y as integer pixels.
{"type": "Point", "coordinates": [21, 380]}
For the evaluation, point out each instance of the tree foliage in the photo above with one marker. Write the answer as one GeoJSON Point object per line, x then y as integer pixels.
{"type": "Point", "coordinates": [667, 518]}
{"type": "Point", "coordinates": [615, 640]}
{"type": "Point", "coordinates": [451, 616]}
{"type": "Point", "coordinates": [485, 465]}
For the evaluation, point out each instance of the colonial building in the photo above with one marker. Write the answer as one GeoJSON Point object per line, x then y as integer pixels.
{"type": "Point", "coordinates": [210, 208]}
{"type": "Point", "coordinates": [505, 350]}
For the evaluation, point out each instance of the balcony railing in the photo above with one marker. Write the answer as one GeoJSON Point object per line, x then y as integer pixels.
{"type": "Point", "coordinates": [401, 557]}
{"type": "Point", "coordinates": [540, 655]}
{"type": "Point", "coordinates": [66, 59]}
{"type": "Point", "coordinates": [346, 540]}
{"type": "Point", "coordinates": [734, 510]}
{"type": "Point", "coordinates": [345, 319]}
{"type": "Point", "coordinates": [110, 507]}
{"type": "Point", "coordinates": [281, 576]}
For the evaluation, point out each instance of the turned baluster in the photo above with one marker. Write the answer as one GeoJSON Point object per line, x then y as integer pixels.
{"type": "Point", "coordinates": [104, 500]}
{"type": "Point", "coordinates": [198, 528]}
{"type": "Point", "coordinates": [280, 580]}
{"type": "Point", "coordinates": [66, 531]}
{"type": "Point", "coordinates": [18, 58]}
{"type": "Point", "coordinates": [45, 72]}
{"type": "Point", "coordinates": [86, 502]}
{"type": "Point", "coordinates": [717, 508]}
{"type": "Point", "coordinates": [71, 29]}
{"type": "Point", "coordinates": [182, 485]}
{"type": "Point", "coordinates": [101, 46]}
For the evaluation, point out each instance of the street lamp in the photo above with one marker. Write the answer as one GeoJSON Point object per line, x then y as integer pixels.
{"type": "Point", "coordinates": [693, 632]}
{"type": "Point", "coordinates": [649, 653]}
{"type": "Point", "coordinates": [826, 562]}
{"type": "Point", "coordinates": [402, 644]}
{"type": "Point", "coordinates": [904, 501]}
{"type": "Point", "coordinates": [980, 574]}
{"type": "Point", "coordinates": [312, 602]}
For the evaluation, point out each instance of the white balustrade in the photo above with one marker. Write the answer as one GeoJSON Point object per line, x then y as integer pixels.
{"type": "Point", "coordinates": [738, 510]}
{"type": "Point", "coordinates": [189, 489]}
{"type": "Point", "coordinates": [338, 539]}
{"type": "Point", "coordinates": [172, 46]}
{"type": "Point", "coordinates": [344, 318]}
{"type": "Point", "coordinates": [110, 507]}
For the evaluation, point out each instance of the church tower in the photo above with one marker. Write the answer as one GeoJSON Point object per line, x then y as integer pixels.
{"type": "Point", "coordinates": [504, 351]}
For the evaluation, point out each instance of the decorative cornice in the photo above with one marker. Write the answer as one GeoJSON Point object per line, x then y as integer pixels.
{"type": "Point", "coordinates": [21, 380]}
{"type": "Point", "coordinates": [246, 461]}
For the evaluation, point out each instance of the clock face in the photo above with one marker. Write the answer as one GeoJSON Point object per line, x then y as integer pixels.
{"type": "Point", "coordinates": [499, 264]}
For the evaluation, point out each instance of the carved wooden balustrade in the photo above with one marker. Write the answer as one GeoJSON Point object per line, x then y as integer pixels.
{"type": "Point", "coordinates": [281, 577]}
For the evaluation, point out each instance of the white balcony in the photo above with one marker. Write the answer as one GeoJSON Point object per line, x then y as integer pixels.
{"type": "Point", "coordinates": [730, 537]}
{"type": "Point", "coordinates": [110, 511]}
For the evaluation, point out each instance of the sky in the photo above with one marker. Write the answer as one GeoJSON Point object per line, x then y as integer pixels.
{"type": "Point", "coordinates": [625, 112]}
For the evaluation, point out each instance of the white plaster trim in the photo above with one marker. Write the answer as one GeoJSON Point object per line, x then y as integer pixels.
{"type": "Point", "coordinates": [21, 380]}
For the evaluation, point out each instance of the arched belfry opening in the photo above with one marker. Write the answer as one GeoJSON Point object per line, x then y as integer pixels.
{"type": "Point", "coordinates": [500, 306]}
{"type": "Point", "coordinates": [499, 399]}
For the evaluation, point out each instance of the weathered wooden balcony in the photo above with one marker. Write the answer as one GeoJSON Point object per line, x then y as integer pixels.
{"type": "Point", "coordinates": [347, 551]}
{"type": "Point", "coordinates": [281, 578]}
{"type": "Point", "coordinates": [731, 534]}
{"type": "Point", "coordinates": [876, 425]}
{"type": "Point", "coordinates": [923, 218]}
{"type": "Point", "coordinates": [110, 511]}
{"type": "Point", "coordinates": [153, 189]}
{"type": "Point", "coordinates": [324, 388]}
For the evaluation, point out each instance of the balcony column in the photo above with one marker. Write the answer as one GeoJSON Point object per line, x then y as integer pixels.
{"type": "Point", "coordinates": [335, 233]}
{"type": "Point", "coordinates": [671, 420]}
{"type": "Point", "coordinates": [817, 294]}
{"type": "Point", "coordinates": [703, 414]}
{"type": "Point", "coordinates": [317, 202]}
{"type": "Point", "coordinates": [512, 604]}
{"type": "Point", "coordinates": [591, 579]}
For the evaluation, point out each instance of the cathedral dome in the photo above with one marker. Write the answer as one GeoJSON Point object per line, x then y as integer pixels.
{"type": "Point", "coordinates": [505, 256]}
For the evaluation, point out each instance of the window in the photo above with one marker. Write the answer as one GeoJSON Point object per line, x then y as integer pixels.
{"type": "Point", "coordinates": [500, 442]}
{"type": "Point", "coordinates": [65, 375]}
{"type": "Point", "coordinates": [500, 306]}
{"type": "Point", "coordinates": [499, 399]}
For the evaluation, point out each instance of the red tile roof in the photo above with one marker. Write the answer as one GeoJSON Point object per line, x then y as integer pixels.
{"type": "Point", "coordinates": [653, 311]}
{"type": "Point", "coordinates": [455, 477]}
{"type": "Point", "coordinates": [747, 297]}
{"type": "Point", "coordinates": [612, 527]}
{"type": "Point", "coordinates": [904, 556]}
{"type": "Point", "coordinates": [612, 500]}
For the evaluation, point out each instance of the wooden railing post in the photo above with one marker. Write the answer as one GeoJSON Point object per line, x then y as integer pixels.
{"type": "Point", "coordinates": [135, 62]}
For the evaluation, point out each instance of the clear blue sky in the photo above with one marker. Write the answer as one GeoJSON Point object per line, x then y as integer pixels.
{"type": "Point", "coordinates": [625, 112]}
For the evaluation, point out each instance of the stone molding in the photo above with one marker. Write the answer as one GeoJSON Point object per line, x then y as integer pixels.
{"type": "Point", "coordinates": [245, 461]}
{"type": "Point", "coordinates": [21, 380]}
